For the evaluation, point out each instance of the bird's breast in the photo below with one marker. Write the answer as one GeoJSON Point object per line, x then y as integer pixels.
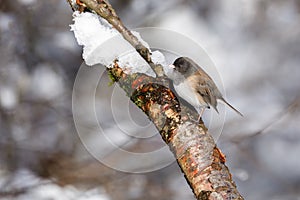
{"type": "Point", "coordinates": [186, 91]}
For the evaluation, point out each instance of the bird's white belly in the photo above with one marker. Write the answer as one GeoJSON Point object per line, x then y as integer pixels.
{"type": "Point", "coordinates": [185, 91]}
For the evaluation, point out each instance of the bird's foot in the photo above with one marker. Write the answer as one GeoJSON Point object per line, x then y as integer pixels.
{"type": "Point", "coordinates": [200, 115]}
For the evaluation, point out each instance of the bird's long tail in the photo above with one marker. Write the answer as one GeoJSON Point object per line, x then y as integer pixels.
{"type": "Point", "coordinates": [238, 112]}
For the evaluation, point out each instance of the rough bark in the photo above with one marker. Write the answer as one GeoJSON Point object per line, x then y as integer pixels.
{"type": "Point", "coordinates": [201, 161]}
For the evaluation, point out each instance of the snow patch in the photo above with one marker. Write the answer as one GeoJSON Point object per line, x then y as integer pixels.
{"type": "Point", "coordinates": [91, 31]}
{"type": "Point", "coordinates": [134, 63]}
{"type": "Point", "coordinates": [102, 44]}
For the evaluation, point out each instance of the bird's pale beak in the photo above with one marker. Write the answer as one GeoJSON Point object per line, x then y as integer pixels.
{"type": "Point", "coordinates": [172, 66]}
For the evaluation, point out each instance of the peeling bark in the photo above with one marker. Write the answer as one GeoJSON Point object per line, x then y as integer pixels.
{"type": "Point", "coordinates": [201, 161]}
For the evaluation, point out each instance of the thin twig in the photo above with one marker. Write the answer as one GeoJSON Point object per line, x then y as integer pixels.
{"type": "Point", "coordinates": [71, 5]}
{"type": "Point", "coordinates": [289, 109]}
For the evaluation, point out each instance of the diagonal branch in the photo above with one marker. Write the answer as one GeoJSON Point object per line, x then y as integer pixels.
{"type": "Point", "coordinates": [104, 9]}
{"type": "Point", "coordinates": [201, 161]}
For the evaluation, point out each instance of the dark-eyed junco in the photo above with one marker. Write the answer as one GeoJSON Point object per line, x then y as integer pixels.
{"type": "Point", "coordinates": [195, 86]}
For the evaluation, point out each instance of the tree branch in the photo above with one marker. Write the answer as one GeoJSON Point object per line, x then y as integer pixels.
{"type": "Point", "coordinates": [201, 161]}
{"type": "Point", "coordinates": [104, 9]}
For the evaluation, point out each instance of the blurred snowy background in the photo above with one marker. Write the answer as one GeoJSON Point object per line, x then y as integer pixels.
{"type": "Point", "coordinates": [255, 46]}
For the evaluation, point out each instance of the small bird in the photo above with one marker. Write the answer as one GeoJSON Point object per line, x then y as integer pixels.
{"type": "Point", "coordinates": [195, 86]}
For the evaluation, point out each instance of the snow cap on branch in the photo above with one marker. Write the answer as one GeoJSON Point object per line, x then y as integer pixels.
{"type": "Point", "coordinates": [91, 31]}
{"type": "Point", "coordinates": [102, 44]}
